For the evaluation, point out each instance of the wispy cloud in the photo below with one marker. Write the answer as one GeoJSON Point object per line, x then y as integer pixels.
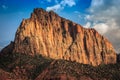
{"type": "Point", "coordinates": [48, 0]}
{"type": "Point", "coordinates": [68, 2]}
{"type": "Point", "coordinates": [61, 5]}
{"type": "Point", "coordinates": [54, 8]}
{"type": "Point", "coordinates": [4, 7]}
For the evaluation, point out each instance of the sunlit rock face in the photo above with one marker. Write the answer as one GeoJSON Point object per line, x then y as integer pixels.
{"type": "Point", "coordinates": [52, 36]}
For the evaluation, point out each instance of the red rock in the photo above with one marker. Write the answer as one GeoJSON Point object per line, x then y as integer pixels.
{"type": "Point", "coordinates": [52, 36]}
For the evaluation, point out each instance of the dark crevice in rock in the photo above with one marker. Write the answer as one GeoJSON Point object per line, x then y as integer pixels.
{"type": "Point", "coordinates": [85, 45]}
{"type": "Point", "coordinates": [95, 32]}
{"type": "Point", "coordinates": [72, 31]}
{"type": "Point", "coordinates": [26, 41]}
{"type": "Point", "coordinates": [102, 55]}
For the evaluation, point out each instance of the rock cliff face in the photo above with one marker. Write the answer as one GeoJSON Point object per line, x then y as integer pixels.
{"type": "Point", "coordinates": [52, 36]}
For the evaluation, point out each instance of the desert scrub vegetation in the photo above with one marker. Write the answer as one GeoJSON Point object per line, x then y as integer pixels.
{"type": "Point", "coordinates": [77, 70]}
{"type": "Point", "coordinates": [30, 67]}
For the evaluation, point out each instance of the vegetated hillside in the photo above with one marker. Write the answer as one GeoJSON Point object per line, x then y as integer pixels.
{"type": "Point", "coordinates": [66, 70]}
{"type": "Point", "coordinates": [25, 67]}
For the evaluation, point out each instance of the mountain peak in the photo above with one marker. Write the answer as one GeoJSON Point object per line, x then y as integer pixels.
{"type": "Point", "coordinates": [39, 11]}
{"type": "Point", "coordinates": [48, 34]}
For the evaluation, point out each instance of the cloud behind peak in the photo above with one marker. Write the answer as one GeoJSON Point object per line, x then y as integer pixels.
{"type": "Point", "coordinates": [61, 5]}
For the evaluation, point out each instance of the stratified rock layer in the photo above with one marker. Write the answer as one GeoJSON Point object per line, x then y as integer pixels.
{"type": "Point", "coordinates": [52, 36]}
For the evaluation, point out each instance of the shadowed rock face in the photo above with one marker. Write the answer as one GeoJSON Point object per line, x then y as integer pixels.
{"type": "Point", "coordinates": [52, 36]}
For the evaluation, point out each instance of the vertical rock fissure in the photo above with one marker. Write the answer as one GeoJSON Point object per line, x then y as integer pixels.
{"type": "Point", "coordinates": [94, 51]}
{"type": "Point", "coordinates": [102, 55]}
{"type": "Point", "coordinates": [73, 32]}
{"type": "Point", "coordinates": [102, 43]}
{"type": "Point", "coordinates": [94, 46]}
{"type": "Point", "coordinates": [96, 38]}
{"type": "Point", "coordinates": [103, 50]}
{"type": "Point", "coordinates": [85, 45]}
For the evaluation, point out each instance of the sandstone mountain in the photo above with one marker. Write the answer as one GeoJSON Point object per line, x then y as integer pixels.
{"type": "Point", "coordinates": [50, 35]}
{"type": "Point", "coordinates": [49, 47]}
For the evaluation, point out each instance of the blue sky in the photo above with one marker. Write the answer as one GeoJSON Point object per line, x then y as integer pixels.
{"type": "Point", "coordinates": [103, 15]}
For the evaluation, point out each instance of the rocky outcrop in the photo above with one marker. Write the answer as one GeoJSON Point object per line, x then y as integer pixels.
{"type": "Point", "coordinates": [52, 36]}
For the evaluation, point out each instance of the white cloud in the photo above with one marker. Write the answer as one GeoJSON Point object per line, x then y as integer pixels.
{"type": "Point", "coordinates": [61, 5]}
{"type": "Point", "coordinates": [101, 28]}
{"type": "Point", "coordinates": [54, 8]}
{"type": "Point", "coordinates": [105, 18]}
{"type": "Point", "coordinates": [95, 3]}
{"type": "Point", "coordinates": [87, 17]}
{"type": "Point", "coordinates": [87, 25]}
